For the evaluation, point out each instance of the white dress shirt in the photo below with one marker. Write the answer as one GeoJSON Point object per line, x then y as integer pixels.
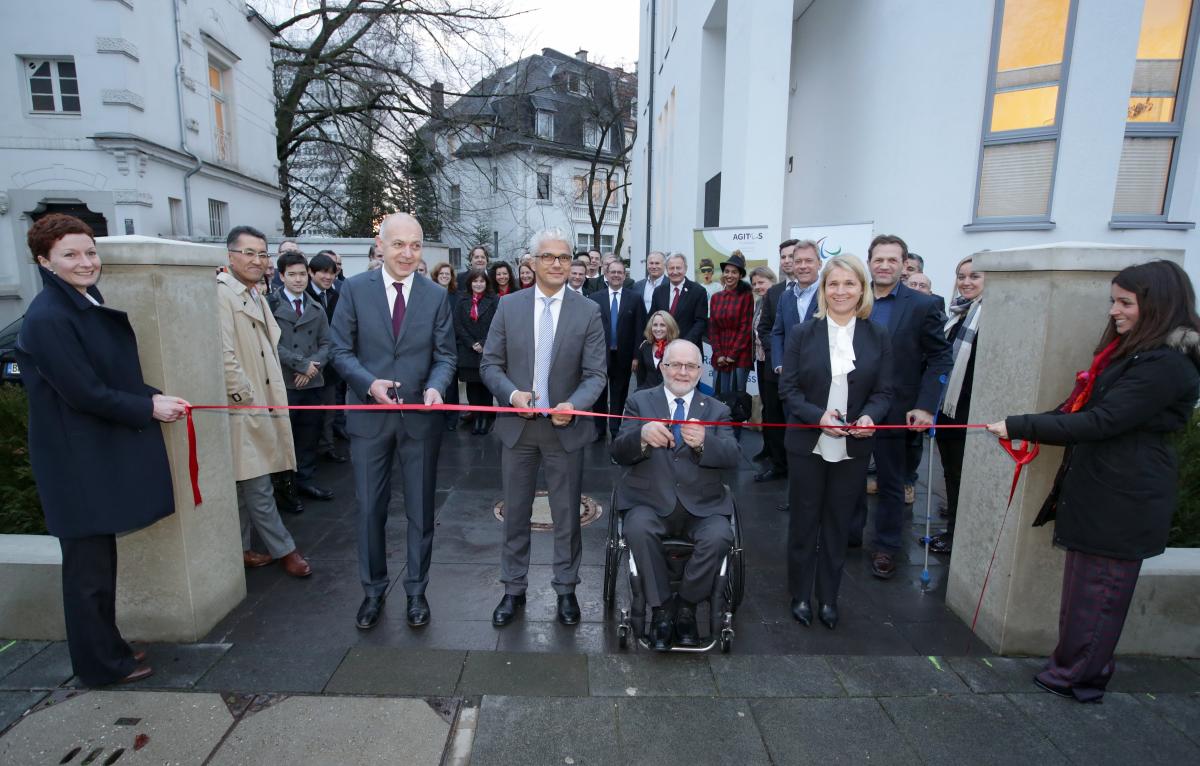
{"type": "Point", "coordinates": [539, 306]}
{"type": "Point", "coordinates": [687, 401]}
{"type": "Point", "coordinates": [648, 290]}
{"type": "Point", "coordinates": [390, 290]}
{"type": "Point", "coordinates": [841, 364]}
{"type": "Point", "coordinates": [292, 298]}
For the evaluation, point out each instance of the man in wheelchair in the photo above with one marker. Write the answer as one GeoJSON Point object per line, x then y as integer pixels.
{"type": "Point", "coordinates": [672, 488]}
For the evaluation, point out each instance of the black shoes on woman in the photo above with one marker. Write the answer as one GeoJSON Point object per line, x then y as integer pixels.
{"type": "Point", "coordinates": [827, 614]}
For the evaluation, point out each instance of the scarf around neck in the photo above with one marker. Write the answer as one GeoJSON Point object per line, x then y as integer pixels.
{"type": "Point", "coordinates": [967, 313]}
{"type": "Point", "coordinates": [1085, 380]}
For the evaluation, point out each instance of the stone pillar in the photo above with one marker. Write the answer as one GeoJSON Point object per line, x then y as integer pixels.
{"type": "Point", "coordinates": [180, 576]}
{"type": "Point", "coordinates": [1044, 311]}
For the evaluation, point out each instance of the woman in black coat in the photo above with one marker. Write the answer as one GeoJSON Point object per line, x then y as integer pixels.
{"type": "Point", "coordinates": [97, 451]}
{"type": "Point", "coordinates": [473, 316]}
{"type": "Point", "coordinates": [660, 330]}
{"type": "Point", "coordinates": [1117, 489]}
{"type": "Point", "coordinates": [837, 373]}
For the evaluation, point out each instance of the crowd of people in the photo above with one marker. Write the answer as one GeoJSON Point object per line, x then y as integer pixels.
{"type": "Point", "coordinates": [841, 347]}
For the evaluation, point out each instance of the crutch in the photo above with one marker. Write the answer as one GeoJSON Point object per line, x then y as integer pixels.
{"type": "Point", "coordinates": [925, 578]}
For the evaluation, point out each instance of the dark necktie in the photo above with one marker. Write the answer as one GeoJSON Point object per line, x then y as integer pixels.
{"type": "Point", "coordinates": [299, 308]}
{"type": "Point", "coordinates": [612, 322]}
{"type": "Point", "coordinates": [398, 309]}
{"type": "Point", "coordinates": [674, 302]}
{"type": "Point", "coordinates": [676, 428]}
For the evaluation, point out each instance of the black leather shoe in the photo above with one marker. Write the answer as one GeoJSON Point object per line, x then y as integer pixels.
{"type": "Point", "coordinates": [661, 628]}
{"type": "Point", "coordinates": [368, 613]}
{"type": "Point", "coordinates": [334, 456]}
{"type": "Point", "coordinates": [315, 492]}
{"type": "Point", "coordinates": [828, 615]}
{"type": "Point", "coordinates": [802, 612]}
{"type": "Point", "coordinates": [771, 474]}
{"type": "Point", "coordinates": [568, 609]}
{"type": "Point", "coordinates": [507, 609]}
{"type": "Point", "coordinates": [685, 626]}
{"type": "Point", "coordinates": [418, 611]}
{"type": "Point", "coordinates": [477, 427]}
{"type": "Point", "coordinates": [943, 543]}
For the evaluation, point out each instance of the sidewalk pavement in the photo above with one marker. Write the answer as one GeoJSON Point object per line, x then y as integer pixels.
{"type": "Point", "coordinates": [287, 678]}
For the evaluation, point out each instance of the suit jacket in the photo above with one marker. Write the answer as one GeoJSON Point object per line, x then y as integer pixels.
{"type": "Point", "coordinates": [364, 349]}
{"type": "Point", "coordinates": [660, 477]}
{"type": "Point", "coordinates": [807, 376]}
{"type": "Point", "coordinates": [766, 321]}
{"type": "Point", "coordinates": [920, 353]}
{"type": "Point", "coordinates": [785, 319]}
{"type": "Point", "coordinates": [648, 374]}
{"type": "Point", "coordinates": [692, 312]}
{"type": "Point", "coordinates": [577, 364]}
{"type": "Point", "coordinates": [302, 339]}
{"type": "Point", "coordinates": [592, 284]}
{"type": "Point", "coordinates": [627, 330]}
{"type": "Point", "coordinates": [331, 299]}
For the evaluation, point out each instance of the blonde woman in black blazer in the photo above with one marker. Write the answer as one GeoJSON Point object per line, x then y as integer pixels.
{"type": "Point", "coordinates": [837, 373]}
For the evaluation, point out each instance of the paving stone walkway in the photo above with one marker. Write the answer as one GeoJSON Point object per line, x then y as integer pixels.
{"type": "Point", "coordinates": [287, 678]}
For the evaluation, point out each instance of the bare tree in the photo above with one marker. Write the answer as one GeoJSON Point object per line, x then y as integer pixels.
{"type": "Point", "coordinates": [352, 82]}
{"type": "Point", "coordinates": [606, 185]}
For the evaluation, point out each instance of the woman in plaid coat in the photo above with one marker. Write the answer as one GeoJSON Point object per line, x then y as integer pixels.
{"type": "Point", "coordinates": [731, 332]}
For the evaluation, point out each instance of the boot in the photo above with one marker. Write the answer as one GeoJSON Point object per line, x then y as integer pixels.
{"type": "Point", "coordinates": [286, 499]}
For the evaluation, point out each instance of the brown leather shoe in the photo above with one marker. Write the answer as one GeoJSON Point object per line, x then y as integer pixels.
{"type": "Point", "coordinates": [882, 565]}
{"type": "Point", "coordinates": [253, 559]}
{"type": "Point", "coordinates": [295, 565]}
{"type": "Point", "coordinates": [139, 656]}
{"type": "Point", "coordinates": [139, 673]}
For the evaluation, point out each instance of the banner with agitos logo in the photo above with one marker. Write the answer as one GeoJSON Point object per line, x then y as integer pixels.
{"type": "Point", "coordinates": [836, 239]}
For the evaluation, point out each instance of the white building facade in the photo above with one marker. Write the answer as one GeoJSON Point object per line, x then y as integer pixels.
{"type": "Point", "coordinates": [520, 151]}
{"type": "Point", "coordinates": [960, 126]}
{"type": "Point", "coordinates": [151, 118]}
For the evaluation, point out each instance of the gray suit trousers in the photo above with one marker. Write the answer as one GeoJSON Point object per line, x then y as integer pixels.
{"type": "Point", "coordinates": [539, 446]}
{"type": "Point", "coordinates": [645, 529]}
{"type": "Point", "coordinates": [257, 511]}
{"type": "Point", "coordinates": [373, 458]}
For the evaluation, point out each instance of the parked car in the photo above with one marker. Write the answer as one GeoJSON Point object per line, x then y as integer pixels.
{"type": "Point", "coordinates": [10, 372]}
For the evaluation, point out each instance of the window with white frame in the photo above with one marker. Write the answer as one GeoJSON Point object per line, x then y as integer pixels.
{"type": "Point", "coordinates": [591, 134]}
{"type": "Point", "coordinates": [218, 217]}
{"type": "Point", "coordinates": [584, 242]}
{"type": "Point", "coordinates": [573, 85]}
{"type": "Point", "coordinates": [1154, 119]}
{"type": "Point", "coordinates": [1023, 115]}
{"type": "Point", "coordinates": [455, 202]}
{"type": "Point", "coordinates": [543, 183]}
{"type": "Point", "coordinates": [544, 126]}
{"type": "Point", "coordinates": [53, 86]}
{"type": "Point", "coordinates": [178, 218]}
{"type": "Point", "coordinates": [218, 91]}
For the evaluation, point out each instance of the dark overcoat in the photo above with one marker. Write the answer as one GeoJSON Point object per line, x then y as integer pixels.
{"type": "Point", "coordinates": [98, 454]}
{"type": "Point", "coordinates": [471, 331]}
{"type": "Point", "coordinates": [1118, 487]}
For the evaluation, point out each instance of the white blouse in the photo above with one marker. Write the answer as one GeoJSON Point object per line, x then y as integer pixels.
{"type": "Point", "coordinates": [841, 363]}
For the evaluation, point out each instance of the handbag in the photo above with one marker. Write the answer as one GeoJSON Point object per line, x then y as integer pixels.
{"type": "Point", "coordinates": [740, 405]}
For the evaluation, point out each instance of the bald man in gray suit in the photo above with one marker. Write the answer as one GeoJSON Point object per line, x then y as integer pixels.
{"type": "Point", "coordinates": [545, 349]}
{"type": "Point", "coordinates": [393, 340]}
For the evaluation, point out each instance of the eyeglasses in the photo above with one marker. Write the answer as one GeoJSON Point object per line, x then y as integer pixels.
{"type": "Point", "coordinates": [263, 254]}
{"type": "Point", "coordinates": [685, 366]}
{"type": "Point", "coordinates": [705, 270]}
{"type": "Point", "coordinates": [549, 258]}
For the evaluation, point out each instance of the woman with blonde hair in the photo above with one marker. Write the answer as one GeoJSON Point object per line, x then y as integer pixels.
{"type": "Point", "coordinates": [827, 467]}
{"type": "Point", "coordinates": [661, 329]}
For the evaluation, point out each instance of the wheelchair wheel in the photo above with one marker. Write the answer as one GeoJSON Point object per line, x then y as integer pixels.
{"type": "Point", "coordinates": [725, 638]}
{"type": "Point", "coordinates": [612, 569]}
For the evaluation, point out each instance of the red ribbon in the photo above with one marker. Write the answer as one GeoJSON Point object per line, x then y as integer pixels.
{"type": "Point", "coordinates": [194, 462]}
{"type": "Point", "coordinates": [1023, 457]}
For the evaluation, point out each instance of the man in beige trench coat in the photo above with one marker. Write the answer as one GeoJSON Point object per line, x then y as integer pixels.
{"type": "Point", "coordinates": [262, 439]}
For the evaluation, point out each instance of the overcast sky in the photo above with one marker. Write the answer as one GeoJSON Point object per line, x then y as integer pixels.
{"type": "Point", "coordinates": [607, 29]}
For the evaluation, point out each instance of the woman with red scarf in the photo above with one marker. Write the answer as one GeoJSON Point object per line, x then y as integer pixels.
{"type": "Point", "coordinates": [661, 329]}
{"type": "Point", "coordinates": [1116, 491]}
{"type": "Point", "coordinates": [473, 315]}
{"type": "Point", "coordinates": [501, 277]}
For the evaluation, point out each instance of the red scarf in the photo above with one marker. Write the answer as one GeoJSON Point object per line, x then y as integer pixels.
{"type": "Point", "coordinates": [1085, 380]}
{"type": "Point", "coordinates": [475, 306]}
{"type": "Point", "coordinates": [503, 291]}
{"type": "Point", "coordinates": [660, 348]}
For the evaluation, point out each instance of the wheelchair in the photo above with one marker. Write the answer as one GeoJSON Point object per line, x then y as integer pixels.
{"type": "Point", "coordinates": [633, 624]}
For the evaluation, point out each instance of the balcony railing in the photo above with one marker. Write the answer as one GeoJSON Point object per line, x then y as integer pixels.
{"type": "Point", "coordinates": [579, 212]}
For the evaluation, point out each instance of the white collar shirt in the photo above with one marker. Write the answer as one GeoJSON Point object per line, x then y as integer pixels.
{"type": "Point", "coordinates": [648, 290]}
{"type": "Point", "coordinates": [389, 287]}
{"type": "Point", "coordinates": [538, 305]}
{"type": "Point", "coordinates": [687, 400]}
